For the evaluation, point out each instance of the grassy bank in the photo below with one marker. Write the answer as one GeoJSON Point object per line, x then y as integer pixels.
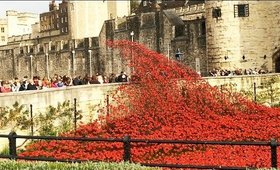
{"type": "Point", "coordinates": [20, 165]}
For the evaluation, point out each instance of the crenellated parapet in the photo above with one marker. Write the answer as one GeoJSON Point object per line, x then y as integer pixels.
{"type": "Point", "coordinates": [191, 9]}
{"type": "Point", "coordinates": [19, 38]}
{"type": "Point", "coordinates": [24, 56]}
{"type": "Point", "coordinates": [191, 12]}
{"type": "Point", "coordinates": [121, 23]}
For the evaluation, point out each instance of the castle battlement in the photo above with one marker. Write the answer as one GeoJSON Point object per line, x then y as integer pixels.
{"type": "Point", "coordinates": [121, 23]}
{"type": "Point", "coordinates": [19, 38]}
{"type": "Point", "coordinates": [3, 21]}
{"type": "Point", "coordinates": [190, 9]}
{"type": "Point", "coordinates": [11, 13]}
{"type": "Point", "coordinates": [27, 14]}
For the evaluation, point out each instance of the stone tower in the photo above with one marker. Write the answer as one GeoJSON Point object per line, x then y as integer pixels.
{"type": "Point", "coordinates": [243, 34]}
{"type": "Point", "coordinates": [52, 5]}
{"type": "Point", "coordinates": [12, 21]}
{"type": "Point", "coordinates": [86, 18]}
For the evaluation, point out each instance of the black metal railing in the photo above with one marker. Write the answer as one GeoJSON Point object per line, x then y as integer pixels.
{"type": "Point", "coordinates": [12, 137]}
{"type": "Point", "coordinates": [75, 115]}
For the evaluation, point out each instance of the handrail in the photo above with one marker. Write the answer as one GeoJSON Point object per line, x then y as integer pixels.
{"type": "Point", "coordinates": [126, 140]}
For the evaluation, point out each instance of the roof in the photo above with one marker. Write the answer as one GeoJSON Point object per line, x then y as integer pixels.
{"type": "Point", "coordinates": [168, 4]}
{"type": "Point", "coordinates": [173, 18]}
{"type": "Point", "coordinates": [194, 2]}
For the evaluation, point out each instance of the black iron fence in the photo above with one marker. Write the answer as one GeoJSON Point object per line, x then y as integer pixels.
{"type": "Point", "coordinates": [127, 141]}
{"type": "Point", "coordinates": [260, 93]}
{"type": "Point", "coordinates": [75, 114]}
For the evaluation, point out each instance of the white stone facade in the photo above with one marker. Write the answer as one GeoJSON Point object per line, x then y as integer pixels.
{"type": "Point", "coordinates": [3, 32]}
{"type": "Point", "coordinates": [87, 17]}
{"type": "Point", "coordinates": [16, 23]}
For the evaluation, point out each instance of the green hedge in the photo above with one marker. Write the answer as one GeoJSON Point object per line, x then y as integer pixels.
{"type": "Point", "coordinates": [22, 165]}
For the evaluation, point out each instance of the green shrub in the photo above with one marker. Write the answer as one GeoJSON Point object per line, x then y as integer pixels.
{"type": "Point", "coordinates": [16, 117]}
{"type": "Point", "coordinates": [5, 150]}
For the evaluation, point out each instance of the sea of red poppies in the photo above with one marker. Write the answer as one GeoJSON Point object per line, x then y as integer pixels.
{"type": "Point", "coordinates": [168, 100]}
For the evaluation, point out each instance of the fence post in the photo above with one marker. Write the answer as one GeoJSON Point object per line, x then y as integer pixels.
{"type": "Point", "coordinates": [107, 104]}
{"type": "Point", "coordinates": [273, 146]}
{"type": "Point", "coordinates": [75, 114]}
{"type": "Point", "coordinates": [271, 94]}
{"type": "Point", "coordinates": [255, 92]}
{"type": "Point", "coordinates": [31, 119]}
{"type": "Point", "coordinates": [127, 149]}
{"type": "Point", "coordinates": [12, 145]}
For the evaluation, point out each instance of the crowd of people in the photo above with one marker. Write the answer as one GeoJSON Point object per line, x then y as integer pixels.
{"type": "Point", "coordinates": [224, 72]}
{"type": "Point", "coordinates": [57, 81]}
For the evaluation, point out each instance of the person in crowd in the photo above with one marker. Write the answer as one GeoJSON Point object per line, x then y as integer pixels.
{"type": "Point", "coordinates": [53, 82]}
{"type": "Point", "coordinates": [5, 87]}
{"type": "Point", "coordinates": [77, 81]}
{"type": "Point", "coordinates": [123, 77]}
{"type": "Point", "coordinates": [255, 71]}
{"type": "Point", "coordinates": [106, 79]}
{"type": "Point", "coordinates": [31, 85]}
{"type": "Point", "coordinates": [23, 85]}
{"type": "Point", "coordinates": [262, 71]}
{"type": "Point", "coordinates": [59, 82]}
{"type": "Point", "coordinates": [45, 83]}
{"type": "Point", "coordinates": [214, 72]}
{"type": "Point", "coordinates": [94, 80]}
{"type": "Point", "coordinates": [15, 85]}
{"type": "Point", "coordinates": [55, 76]}
{"type": "Point", "coordinates": [67, 80]}
{"type": "Point", "coordinates": [112, 78]}
{"type": "Point", "coordinates": [37, 82]}
{"type": "Point", "coordinates": [86, 79]}
{"type": "Point", "coordinates": [100, 78]}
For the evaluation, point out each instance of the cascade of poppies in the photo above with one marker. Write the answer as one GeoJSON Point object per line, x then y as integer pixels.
{"type": "Point", "coordinates": [167, 100]}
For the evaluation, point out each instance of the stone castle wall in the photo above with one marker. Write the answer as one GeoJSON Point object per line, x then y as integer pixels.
{"type": "Point", "coordinates": [48, 56]}
{"type": "Point", "coordinates": [52, 53]}
{"type": "Point", "coordinates": [256, 36]}
{"type": "Point", "coordinates": [157, 32]}
{"type": "Point", "coordinates": [205, 42]}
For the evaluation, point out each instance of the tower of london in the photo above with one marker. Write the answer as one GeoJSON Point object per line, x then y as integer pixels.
{"type": "Point", "coordinates": [204, 35]}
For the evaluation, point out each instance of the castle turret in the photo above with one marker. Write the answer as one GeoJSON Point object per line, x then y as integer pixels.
{"type": "Point", "coordinates": [52, 6]}
{"type": "Point", "coordinates": [242, 34]}
{"type": "Point", "coordinates": [12, 21]}
{"type": "Point", "coordinates": [86, 17]}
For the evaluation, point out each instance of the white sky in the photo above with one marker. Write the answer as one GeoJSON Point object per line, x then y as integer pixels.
{"type": "Point", "coordinates": [24, 6]}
